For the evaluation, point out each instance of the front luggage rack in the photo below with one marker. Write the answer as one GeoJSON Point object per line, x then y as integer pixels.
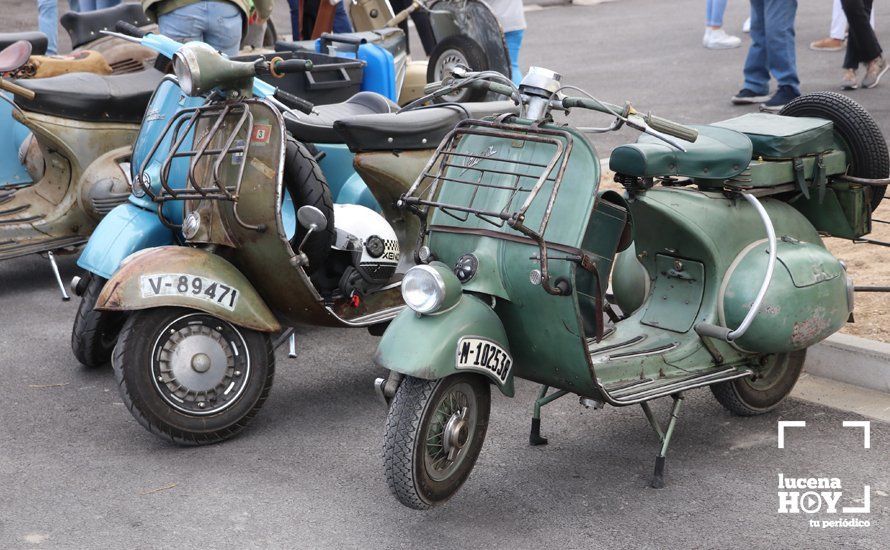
{"type": "Point", "coordinates": [223, 140]}
{"type": "Point", "coordinates": [488, 169]}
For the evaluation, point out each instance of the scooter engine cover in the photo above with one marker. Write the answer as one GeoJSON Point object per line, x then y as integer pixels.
{"type": "Point", "coordinates": [371, 240]}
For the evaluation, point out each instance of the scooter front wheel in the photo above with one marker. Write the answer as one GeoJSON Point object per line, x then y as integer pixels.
{"type": "Point", "coordinates": [94, 333]}
{"type": "Point", "coordinates": [190, 377]}
{"type": "Point", "coordinates": [754, 395]}
{"type": "Point", "coordinates": [434, 432]}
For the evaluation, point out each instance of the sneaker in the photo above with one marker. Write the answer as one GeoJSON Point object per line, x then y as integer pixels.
{"type": "Point", "coordinates": [746, 26]}
{"type": "Point", "coordinates": [827, 45]}
{"type": "Point", "coordinates": [849, 80]}
{"type": "Point", "coordinates": [747, 97]}
{"type": "Point", "coordinates": [782, 97]}
{"type": "Point", "coordinates": [876, 69]}
{"type": "Point", "coordinates": [717, 39]}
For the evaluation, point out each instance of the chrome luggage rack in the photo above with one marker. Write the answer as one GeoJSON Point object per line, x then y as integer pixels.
{"type": "Point", "coordinates": [235, 142]}
{"type": "Point", "coordinates": [449, 166]}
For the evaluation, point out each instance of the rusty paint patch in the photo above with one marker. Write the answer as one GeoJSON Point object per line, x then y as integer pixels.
{"type": "Point", "coordinates": [810, 330]}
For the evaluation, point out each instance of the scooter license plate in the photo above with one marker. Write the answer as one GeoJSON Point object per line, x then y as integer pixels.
{"type": "Point", "coordinates": [192, 286]}
{"type": "Point", "coordinates": [481, 354]}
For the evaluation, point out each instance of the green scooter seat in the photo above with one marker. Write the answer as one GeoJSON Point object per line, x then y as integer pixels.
{"type": "Point", "coordinates": [783, 137]}
{"type": "Point", "coordinates": [718, 153]}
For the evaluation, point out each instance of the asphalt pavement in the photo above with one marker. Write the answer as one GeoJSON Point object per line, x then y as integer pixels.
{"type": "Point", "coordinates": [77, 471]}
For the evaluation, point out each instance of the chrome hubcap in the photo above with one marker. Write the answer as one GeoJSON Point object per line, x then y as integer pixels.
{"type": "Point", "coordinates": [449, 431]}
{"type": "Point", "coordinates": [447, 60]}
{"type": "Point", "coordinates": [200, 364]}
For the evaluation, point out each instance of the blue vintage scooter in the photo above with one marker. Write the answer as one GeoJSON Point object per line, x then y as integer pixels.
{"type": "Point", "coordinates": [141, 223]}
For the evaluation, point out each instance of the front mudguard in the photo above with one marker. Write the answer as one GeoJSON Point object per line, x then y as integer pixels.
{"type": "Point", "coordinates": [125, 290]}
{"type": "Point", "coordinates": [426, 346]}
{"type": "Point", "coordinates": [125, 230]}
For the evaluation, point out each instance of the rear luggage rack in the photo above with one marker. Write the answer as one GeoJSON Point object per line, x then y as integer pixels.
{"type": "Point", "coordinates": [224, 140]}
{"type": "Point", "coordinates": [449, 166]}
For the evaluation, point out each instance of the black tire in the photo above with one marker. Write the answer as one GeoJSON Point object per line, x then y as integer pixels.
{"type": "Point", "coordinates": [411, 414]}
{"type": "Point", "coordinates": [138, 364]}
{"type": "Point", "coordinates": [751, 396]}
{"type": "Point", "coordinates": [856, 127]}
{"type": "Point", "coordinates": [94, 333]}
{"type": "Point", "coordinates": [457, 48]}
{"type": "Point", "coordinates": [306, 184]}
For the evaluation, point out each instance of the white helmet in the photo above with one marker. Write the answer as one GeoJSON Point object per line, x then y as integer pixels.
{"type": "Point", "coordinates": [370, 240]}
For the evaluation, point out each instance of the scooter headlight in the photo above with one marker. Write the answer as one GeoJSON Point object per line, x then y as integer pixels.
{"type": "Point", "coordinates": [423, 289]}
{"type": "Point", "coordinates": [183, 73]}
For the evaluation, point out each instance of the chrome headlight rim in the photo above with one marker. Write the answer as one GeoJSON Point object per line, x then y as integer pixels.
{"type": "Point", "coordinates": [438, 296]}
{"type": "Point", "coordinates": [187, 71]}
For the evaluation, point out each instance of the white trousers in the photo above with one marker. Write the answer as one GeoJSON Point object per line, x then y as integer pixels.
{"type": "Point", "coordinates": [838, 29]}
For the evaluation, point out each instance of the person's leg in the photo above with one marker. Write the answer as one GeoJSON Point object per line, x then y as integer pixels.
{"type": "Point", "coordinates": [780, 45]}
{"type": "Point", "coordinates": [714, 13]}
{"type": "Point", "coordinates": [756, 70]}
{"type": "Point", "coordinates": [182, 24]}
{"type": "Point", "coordinates": [862, 35]}
{"type": "Point", "coordinates": [294, 6]}
{"type": "Point", "coordinates": [838, 29]}
{"type": "Point", "coordinates": [341, 20]}
{"type": "Point", "coordinates": [222, 27]}
{"type": "Point", "coordinates": [514, 43]}
{"type": "Point", "coordinates": [48, 23]}
{"type": "Point", "coordinates": [87, 5]}
{"type": "Point", "coordinates": [102, 4]}
{"type": "Point", "coordinates": [74, 5]}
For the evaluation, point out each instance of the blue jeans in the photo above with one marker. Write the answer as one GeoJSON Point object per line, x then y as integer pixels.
{"type": "Point", "coordinates": [91, 5]}
{"type": "Point", "coordinates": [341, 20]}
{"type": "Point", "coordinates": [48, 23]}
{"type": "Point", "coordinates": [216, 23]}
{"type": "Point", "coordinates": [514, 42]}
{"type": "Point", "coordinates": [772, 46]}
{"type": "Point", "coordinates": [714, 13]}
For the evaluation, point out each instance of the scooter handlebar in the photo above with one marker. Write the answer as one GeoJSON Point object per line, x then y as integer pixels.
{"type": "Point", "coordinates": [129, 29]}
{"type": "Point", "coordinates": [671, 128]}
{"type": "Point", "coordinates": [279, 67]}
{"type": "Point", "coordinates": [294, 102]}
{"type": "Point", "coordinates": [495, 87]}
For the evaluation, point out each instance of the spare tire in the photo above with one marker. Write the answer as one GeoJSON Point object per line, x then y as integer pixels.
{"type": "Point", "coordinates": [458, 49]}
{"type": "Point", "coordinates": [306, 185]}
{"type": "Point", "coordinates": [858, 130]}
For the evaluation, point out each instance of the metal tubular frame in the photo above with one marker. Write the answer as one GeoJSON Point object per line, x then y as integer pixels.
{"type": "Point", "coordinates": [182, 125]}
{"type": "Point", "coordinates": [420, 197]}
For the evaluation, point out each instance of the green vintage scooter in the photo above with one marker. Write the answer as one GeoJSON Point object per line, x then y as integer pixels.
{"type": "Point", "coordinates": [727, 286]}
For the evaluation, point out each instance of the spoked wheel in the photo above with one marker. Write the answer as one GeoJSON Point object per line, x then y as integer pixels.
{"type": "Point", "coordinates": [191, 377]}
{"type": "Point", "coordinates": [434, 432]}
{"type": "Point", "coordinates": [764, 391]}
{"type": "Point", "coordinates": [856, 128]}
{"type": "Point", "coordinates": [94, 333]}
{"type": "Point", "coordinates": [458, 49]}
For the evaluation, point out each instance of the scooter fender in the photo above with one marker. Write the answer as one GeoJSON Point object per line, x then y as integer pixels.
{"type": "Point", "coordinates": [179, 276]}
{"type": "Point", "coordinates": [125, 230]}
{"type": "Point", "coordinates": [430, 346]}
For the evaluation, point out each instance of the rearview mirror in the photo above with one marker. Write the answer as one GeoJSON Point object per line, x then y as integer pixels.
{"type": "Point", "coordinates": [310, 216]}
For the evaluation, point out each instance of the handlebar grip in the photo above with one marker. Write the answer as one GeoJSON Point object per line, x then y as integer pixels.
{"type": "Point", "coordinates": [17, 90]}
{"type": "Point", "coordinates": [290, 66]}
{"type": "Point", "coordinates": [402, 15]}
{"type": "Point", "coordinates": [129, 29]}
{"type": "Point", "coordinates": [294, 102]}
{"type": "Point", "coordinates": [671, 128]}
{"type": "Point", "coordinates": [493, 87]}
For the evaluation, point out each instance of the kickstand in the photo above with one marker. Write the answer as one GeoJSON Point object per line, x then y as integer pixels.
{"type": "Point", "coordinates": [288, 335]}
{"type": "Point", "coordinates": [292, 346]}
{"type": "Point", "coordinates": [55, 268]}
{"type": "Point", "coordinates": [534, 437]}
{"type": "Point", "coordinates": [664, 437]}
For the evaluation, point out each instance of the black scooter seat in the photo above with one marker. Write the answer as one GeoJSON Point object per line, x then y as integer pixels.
{"type": "Point", "coordinates": [412, 130]}
{"type": "Point", "coordinates": [318, 127]}
{"type": "Point", "coordinates": [91, 97]}
{"type": "Point", "coordinates": [86, 26]}
{"type": "Point", "coordinates": [37, 40]}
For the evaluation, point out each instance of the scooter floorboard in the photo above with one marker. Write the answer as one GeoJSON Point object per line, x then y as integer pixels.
{"type": "Point", "coordinates": [13, 249]}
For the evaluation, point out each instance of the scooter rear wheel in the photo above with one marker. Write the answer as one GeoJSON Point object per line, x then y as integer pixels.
{"type": "Point", "coordinates": [94, 333]}
{"type": "Point", "coordinates": [751, 396]}
{"type": "Point", "coordinates": [434, 432]}
{"type": "Point", "coordinates": [189, 377]}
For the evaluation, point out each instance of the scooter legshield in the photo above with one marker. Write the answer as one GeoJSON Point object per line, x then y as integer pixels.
{"type": "Point", "coordinates": [430, 346]}
{"type": "Point", "coordinates": [178, 276]}
{"type": "Point", "coordinates": [125, 230]}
